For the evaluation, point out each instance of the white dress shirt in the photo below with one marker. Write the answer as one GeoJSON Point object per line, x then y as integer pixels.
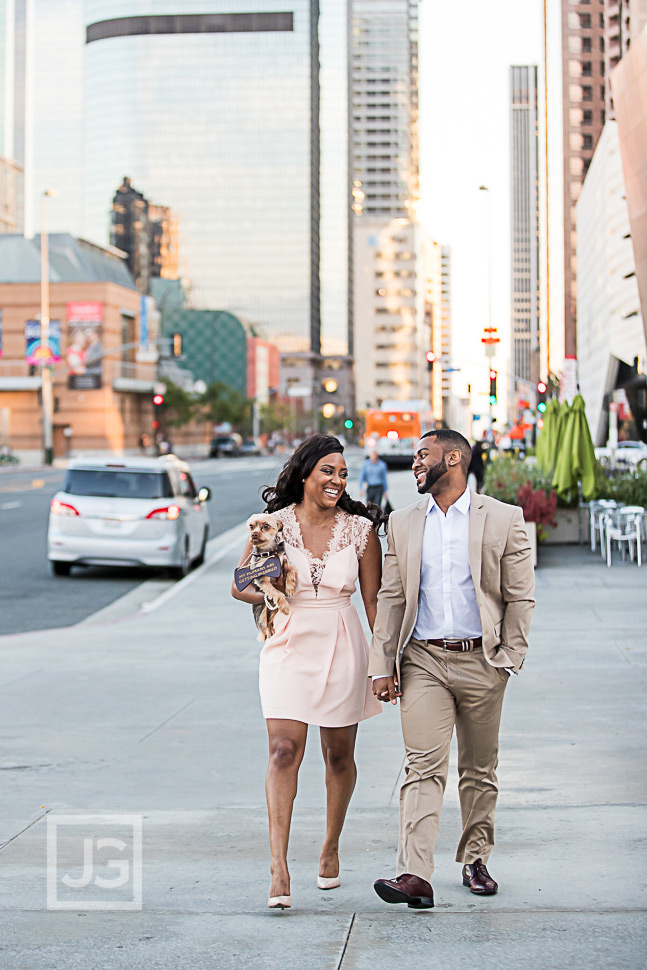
{"type": "Point", "coordinates": [447, 605]}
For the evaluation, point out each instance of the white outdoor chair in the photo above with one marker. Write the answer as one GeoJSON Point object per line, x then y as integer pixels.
{"type": "Point", "coordinates": [625, 525]}
{"type": "Point", "coordinates": [597, 511]}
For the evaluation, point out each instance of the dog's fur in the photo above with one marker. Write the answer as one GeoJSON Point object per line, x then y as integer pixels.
{"type": "Point", "coordinates": [266, 536]}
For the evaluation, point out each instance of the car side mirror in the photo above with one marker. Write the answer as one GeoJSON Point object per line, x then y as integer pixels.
{"type": "Point", "coordinates": [204, 494]}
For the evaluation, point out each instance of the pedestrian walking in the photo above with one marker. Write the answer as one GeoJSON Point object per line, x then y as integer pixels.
{"type": "Point", "coordinates": [476, 470]}
{"type": "Point", "coordinates": [373, 479]}
{"type": "Point", "coordinates": [314, 667]}
{"type": "Point", "coordinates": [451, 629]}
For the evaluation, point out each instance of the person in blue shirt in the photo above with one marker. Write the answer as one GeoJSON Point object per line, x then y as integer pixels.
{"type": "Point", "coordinates": [373, 479]}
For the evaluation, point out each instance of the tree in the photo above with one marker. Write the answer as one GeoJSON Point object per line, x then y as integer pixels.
{"type": "Point", "coordinates": [179, 405]}
{"type": "Point", "coordinates": [221, 403]}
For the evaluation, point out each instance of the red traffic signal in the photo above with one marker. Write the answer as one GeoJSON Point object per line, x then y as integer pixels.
{"type": "Point", "coordinates": [430, 356]}
{"type": "Point", "coordinates": [158, 399]}
{"type": "Point", "coordinates": [492, 375]}
{"type": "Point", "coordinates": [542, 387]}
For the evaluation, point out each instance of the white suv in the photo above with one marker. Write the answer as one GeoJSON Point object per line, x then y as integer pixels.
{"type": "Point", "coordinates": [128, 512]}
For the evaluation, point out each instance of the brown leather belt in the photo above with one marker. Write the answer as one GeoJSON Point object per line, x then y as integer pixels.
{"type": "Point", "coordinates": [459, 646]}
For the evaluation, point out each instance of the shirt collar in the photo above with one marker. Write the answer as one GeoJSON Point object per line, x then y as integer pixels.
{"type": "Point", "coordinates": [462, 504]}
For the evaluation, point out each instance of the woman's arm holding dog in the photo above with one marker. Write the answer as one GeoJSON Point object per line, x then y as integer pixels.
{"type": "Point", "coordinates": [250, 594]}
{"type": "Point", "coordinates": [370, 576]}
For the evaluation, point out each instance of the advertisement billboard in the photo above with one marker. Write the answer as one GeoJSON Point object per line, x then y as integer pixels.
{"type": "Point", "coordinates": [35, 351]}
{"type": "Point", "coordinates": [84, 352]}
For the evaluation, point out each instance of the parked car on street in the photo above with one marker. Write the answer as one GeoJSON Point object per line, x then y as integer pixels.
{"type": "Point", "coordinates": [249, 447]}
{"type": "Point", "coordinates": [628, 453]}
{"type": "Point", "coordinates": [225, 445]}
{"type": "Point", "coordinates": [128, 512]}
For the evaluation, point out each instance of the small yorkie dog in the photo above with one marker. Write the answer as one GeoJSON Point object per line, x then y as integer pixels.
{"type": "Point", "coordinates": [266, 534]}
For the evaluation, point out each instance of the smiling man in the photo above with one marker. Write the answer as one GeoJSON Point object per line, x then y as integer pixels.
{"type": "Point", "coordinates": [451, 629]}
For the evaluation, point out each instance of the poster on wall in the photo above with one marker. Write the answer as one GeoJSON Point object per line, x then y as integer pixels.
{"type": "Point", "coordinates": [84, 352]}
{"type": "Point", "coordinates": [35, 351]}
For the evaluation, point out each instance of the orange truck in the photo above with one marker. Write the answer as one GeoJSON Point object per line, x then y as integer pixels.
{"type": "Point", "coordinates": [395, 429]}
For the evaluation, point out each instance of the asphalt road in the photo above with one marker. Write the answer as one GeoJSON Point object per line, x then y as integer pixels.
{"type": "Point", "coordinates": [31, 598]}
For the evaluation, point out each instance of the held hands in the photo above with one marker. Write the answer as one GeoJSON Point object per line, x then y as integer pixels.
{"type": "Point", "coordinates": [387, 689]}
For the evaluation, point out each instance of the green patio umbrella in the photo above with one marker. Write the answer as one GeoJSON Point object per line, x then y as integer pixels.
{"type": "Point", "coordinates": [561, 420]}
{"type": "Point", "coordinates": [576, 457]}
{"type": "Point", "coordinates": [546, 440]}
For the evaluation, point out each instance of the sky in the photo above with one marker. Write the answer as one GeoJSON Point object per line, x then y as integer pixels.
{"type": "Point", "coordinates": [466, 49]}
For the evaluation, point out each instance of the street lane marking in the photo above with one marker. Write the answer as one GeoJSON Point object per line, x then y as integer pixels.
{"type": "Point", "coordinates": [9, 505]}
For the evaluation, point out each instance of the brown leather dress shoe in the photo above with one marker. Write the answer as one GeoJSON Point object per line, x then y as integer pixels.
{"type": "Point", "coordinates": [479, 880]}
{"type": "Point", "coordinates": [412, 890]}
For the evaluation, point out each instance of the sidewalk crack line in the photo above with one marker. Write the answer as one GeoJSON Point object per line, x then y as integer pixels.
{"type": "Point", "coordinates": [350, 930]}
{"type": "Point", "coordinates": [169, 718]}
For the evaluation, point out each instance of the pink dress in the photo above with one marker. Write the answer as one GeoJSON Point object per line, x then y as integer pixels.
{"type": "Point", "coordinates": [315, 666]}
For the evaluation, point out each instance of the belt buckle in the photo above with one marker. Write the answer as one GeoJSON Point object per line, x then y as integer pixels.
{"type": "Point", "coordinates": [465, 645]}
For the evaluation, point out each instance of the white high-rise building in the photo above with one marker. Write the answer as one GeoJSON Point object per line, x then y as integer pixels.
{"type": "Point", "coordinates": [609, 322]}
{"type": "Point", "coordinates": [388, 273]}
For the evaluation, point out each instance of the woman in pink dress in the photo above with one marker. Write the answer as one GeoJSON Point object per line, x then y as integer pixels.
{"type": "Point", "coordinates": [314, 668]}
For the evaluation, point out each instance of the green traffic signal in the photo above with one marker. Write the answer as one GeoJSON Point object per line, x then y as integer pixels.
{"type": "Point", "coordinates": [541, 406]}
{"type": "Point", "coordinates": [492, 398]}
{"type": "Point", "coordinates": [348, 423]}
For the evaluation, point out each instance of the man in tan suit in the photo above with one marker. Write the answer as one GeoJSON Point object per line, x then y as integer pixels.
{"type": "Point", "coordinates": [452, 627]}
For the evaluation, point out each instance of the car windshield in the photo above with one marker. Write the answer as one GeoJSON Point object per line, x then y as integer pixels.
{"type": "Point", "coordinates": [117, 483]}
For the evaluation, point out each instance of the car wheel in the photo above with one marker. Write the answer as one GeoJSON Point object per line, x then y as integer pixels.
{"type": "Point", "coordinates": [203, 549]}
{"type": "Point", "coordinates": [179, 572]}
{"type": "Point", "coordinates": [60, 568]}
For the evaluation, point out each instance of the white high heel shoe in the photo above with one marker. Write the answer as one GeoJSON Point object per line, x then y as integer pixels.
{"type": "Point", "coordinates": [279, 902]}
{"type": "Point", "coordinates": [323, 883]}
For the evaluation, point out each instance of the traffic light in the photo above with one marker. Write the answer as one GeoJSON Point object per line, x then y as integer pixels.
{"type": "Point", "coordinates": [492, 386]}
{"type": "Point", "coordinates": [158, 406]}
{"type": "Point", "coordinates": [348, 424]}
{"type": "Point", "coordinates": [431, 357]}
{"type": "Point", "coordinates": [542, 390]}
{"type": "Point", "coordinates": [176, 344]}
{"type": "Point", "coordinates": [330, 385]}
{"type": "Point", "coordinates": [328, 410]}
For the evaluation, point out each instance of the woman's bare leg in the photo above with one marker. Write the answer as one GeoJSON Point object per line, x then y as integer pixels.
{"type": "Point", "coordinates": [338, 747]}
{"type": "Point", "coordinates": [287, 741]}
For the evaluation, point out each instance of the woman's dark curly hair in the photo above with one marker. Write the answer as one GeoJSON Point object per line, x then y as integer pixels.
{"type": "Point", "coordinates": [299, 466]}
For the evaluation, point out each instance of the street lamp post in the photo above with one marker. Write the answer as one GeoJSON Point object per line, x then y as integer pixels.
{"type": "Point", "coordinates": [489, 349]}
{"type": "Point", "coordinates": [47, 396]}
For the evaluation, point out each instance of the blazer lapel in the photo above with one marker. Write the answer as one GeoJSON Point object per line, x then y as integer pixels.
{"type": "Point", "coordinates": [414, 551]}
{"type": "Point", "coordinates": [477, 524]}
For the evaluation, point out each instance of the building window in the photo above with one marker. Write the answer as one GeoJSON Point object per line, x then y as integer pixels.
{"type": "Point", "coordinates": [587, 69]}
{"type": "Point", "coordinates": [587, 117]}
{"type": "Point", "coordinates": [587, 93]}
{"type": "Point", "coordinates": [586, 45]}
{"type": "Point", "coordinates": [587, 144]}
{"type": "Point", "coordinates": [585, 21]}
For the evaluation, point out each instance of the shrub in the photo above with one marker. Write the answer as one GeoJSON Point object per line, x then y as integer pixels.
{"type": "Point", "coordinates": [627, 487]}
{"type": "Point", "coordinates": [538, 506]}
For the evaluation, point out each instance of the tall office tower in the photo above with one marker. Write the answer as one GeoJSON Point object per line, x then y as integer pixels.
{"type": "Point", "coordinates": [432, 261]}
{"type": "Point", "coordinates": [148, 233]}
{"type": "Point", "coordinates": [524, 232]}
{"type": "Point", "coordinates": [583, 109]}
{"type": "Point", "coordinates": [235, 116]}
{"type": "Point", "coordinates": [446, 361]}
{"type": "Point", "coordinates": [623, 22]}
{"type": "Point", "coordinates": [388, 273]}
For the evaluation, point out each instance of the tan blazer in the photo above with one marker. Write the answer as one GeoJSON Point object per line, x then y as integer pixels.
{"type": "Point", "coordinates": [502, 571]}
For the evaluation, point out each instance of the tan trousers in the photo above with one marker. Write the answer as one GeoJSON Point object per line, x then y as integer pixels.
{"type": "Point", "coordinates": [442, 689]}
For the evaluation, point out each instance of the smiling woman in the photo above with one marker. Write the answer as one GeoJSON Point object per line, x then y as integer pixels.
{"type": "Point", "coordinates": [314, 667]}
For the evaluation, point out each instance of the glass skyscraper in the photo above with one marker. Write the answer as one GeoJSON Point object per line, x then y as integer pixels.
{"type": "Point", "coordinates": [235, 116]}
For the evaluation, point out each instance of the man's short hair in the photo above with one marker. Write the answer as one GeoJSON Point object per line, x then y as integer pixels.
{"type": "Point", "coordinates": [452, 441]}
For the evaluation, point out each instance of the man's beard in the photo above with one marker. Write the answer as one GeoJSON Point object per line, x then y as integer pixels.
{"type": "Point", "coordinates": [434, 474]}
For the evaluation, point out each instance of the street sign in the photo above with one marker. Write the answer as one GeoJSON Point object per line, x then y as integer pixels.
{"type": "Point", "coordinates": [299, 390]}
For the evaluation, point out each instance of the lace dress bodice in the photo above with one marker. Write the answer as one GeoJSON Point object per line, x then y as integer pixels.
{"type": "Point", "coordinates": [348, 530]}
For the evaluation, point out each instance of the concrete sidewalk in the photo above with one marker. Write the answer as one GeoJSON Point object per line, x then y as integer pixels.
{"type": "Point", "coordinates": [158, 716]}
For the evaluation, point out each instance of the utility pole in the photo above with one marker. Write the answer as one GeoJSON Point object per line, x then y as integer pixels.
{"type": "Point", "coordinates": [47, 396]}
